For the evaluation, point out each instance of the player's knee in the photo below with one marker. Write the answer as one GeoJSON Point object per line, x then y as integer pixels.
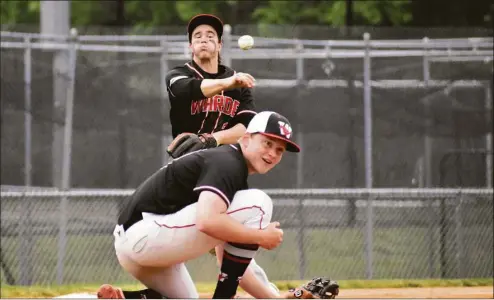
{"type": "Point", "coordinates": [258, 199]}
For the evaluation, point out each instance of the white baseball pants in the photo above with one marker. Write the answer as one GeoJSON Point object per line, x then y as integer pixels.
{"type": "Point", "coordinates": [154, 249]}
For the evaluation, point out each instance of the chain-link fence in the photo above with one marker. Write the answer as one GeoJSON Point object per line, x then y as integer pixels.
{"type": "Point", "coordinates": [51, 237]}
{"type": "Point", "coordinates": [394, 110]}
{"type": "Point", "coordinates": [377, 113]}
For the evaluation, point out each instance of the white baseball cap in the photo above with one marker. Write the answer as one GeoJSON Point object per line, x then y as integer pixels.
{"type": "Point", "coordinates": [274, 125]}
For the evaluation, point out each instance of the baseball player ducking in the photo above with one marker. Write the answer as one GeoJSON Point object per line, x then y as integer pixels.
{"type": "Point", "coordinates": [202, 200]}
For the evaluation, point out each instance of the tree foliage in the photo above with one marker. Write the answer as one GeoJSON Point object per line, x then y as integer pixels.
{"type": "Point", "coordinates": [19, 12]}
{"type": "Point", "coordinates": [149, 13]}
{"type": "Point", "coordinates": [333, 12]}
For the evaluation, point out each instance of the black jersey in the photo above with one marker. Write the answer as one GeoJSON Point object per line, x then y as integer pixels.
{"type": "Point", "coordinates": [192, 112]}
{"type": "Point", "coordinates": [221, 170]}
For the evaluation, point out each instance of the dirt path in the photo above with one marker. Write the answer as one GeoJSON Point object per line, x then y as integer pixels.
{"type": "Point", "coordinates": [484, 292]}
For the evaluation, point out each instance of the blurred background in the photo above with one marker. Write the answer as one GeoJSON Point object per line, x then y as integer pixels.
{"type": "Point", "coordinates": [424, 133]}
{"type": "Point", "coordinates": [392, 96]}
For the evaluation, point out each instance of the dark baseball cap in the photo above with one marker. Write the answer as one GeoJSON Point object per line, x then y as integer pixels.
{"type": "Point", "coordinates": [274, 125]}
{"type": "Point", "coordinates": [207, 19]}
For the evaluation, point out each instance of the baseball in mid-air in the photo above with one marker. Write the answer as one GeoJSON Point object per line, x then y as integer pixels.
{"type": "Point", "coordinates": [245, 42]}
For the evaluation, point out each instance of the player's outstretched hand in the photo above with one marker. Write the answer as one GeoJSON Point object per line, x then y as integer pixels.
{"type": "Point", "coordinates": [240, 80]}
{"type": "Point", "coordinates": [272, 236]}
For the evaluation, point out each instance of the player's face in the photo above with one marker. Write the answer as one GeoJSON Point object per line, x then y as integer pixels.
{"type": "Point", "coordinates": [204, 42]}
{"type": "Point", "coordinates": [264, 152]}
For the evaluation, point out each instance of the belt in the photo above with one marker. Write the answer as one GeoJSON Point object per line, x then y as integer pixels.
{"type": "Point", "coordinates": [136, 218]}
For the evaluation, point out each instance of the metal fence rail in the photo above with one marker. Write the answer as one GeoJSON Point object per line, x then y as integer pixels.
{"type": "Point", "coordinates": [386, 233]}
{"type": "Point", "coordinates": [177, 47]}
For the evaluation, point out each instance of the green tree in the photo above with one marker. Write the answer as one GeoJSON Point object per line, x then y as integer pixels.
{"type": "Point", "coordinates": [154, 13]}
{"type": "Point", "coordinates": [452, 13]}
{"type": "Point", "coordinates": [19, 12]}
{"type": "Point", "coordinates": [230, 11]}
{"type": "Point", "coordinates": [151, 13]}
{"type": "Point", "coordinates": [333, 12]}
{"type": "Point", "coordinates": [86, 13]}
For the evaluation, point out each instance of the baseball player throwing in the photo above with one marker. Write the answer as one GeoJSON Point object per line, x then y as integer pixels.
{"type": "Point", "coordinates": [211, 104]}
{"type": "Point", "coordinates": [200, 201]}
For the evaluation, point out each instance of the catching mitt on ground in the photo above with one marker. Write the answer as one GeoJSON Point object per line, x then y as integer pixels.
{"type": "Point", "coordinates": [188, 142]}
{"type": "Point", "coordinates": [317, 288]}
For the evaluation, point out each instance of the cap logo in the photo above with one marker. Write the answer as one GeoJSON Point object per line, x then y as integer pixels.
{"type": "Point", "coordinates": [285, 129]}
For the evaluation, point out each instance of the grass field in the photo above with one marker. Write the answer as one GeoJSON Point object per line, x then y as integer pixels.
{"type": "Point", "coordinates": [398, 253]}
{"type": "Point", "coordinates": [53, 291]}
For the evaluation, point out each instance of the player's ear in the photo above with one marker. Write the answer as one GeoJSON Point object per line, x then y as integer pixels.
{"type": "Point", "coordinates": [244, 140]}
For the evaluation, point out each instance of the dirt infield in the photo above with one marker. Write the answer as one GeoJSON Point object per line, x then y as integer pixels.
{"type": "Point", "coordinates": [484, 292]}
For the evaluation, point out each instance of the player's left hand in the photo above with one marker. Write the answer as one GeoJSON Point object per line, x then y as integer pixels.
{"type": "Point", "coordinates": [317, 288]}
{"type": "Point", "coordinates": [188, 142]}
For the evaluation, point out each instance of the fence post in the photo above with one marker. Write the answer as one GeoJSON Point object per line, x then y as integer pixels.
{"type": "Point", "coordinates": [368, 154]}
{"type": "Point", "coordinates": [166, 137]}
{"type": "Point", "coordinates": [25, 230]}
{"type": "Point", "coordinates": [300, 158]}
{"type": "Point", "coordinates": [67, 154]}
{"type": "Point", "coordinates": [427, 161]}
{"type": "Point", "coordinates": [299, 71]}
{"type": "Point", "coordinates": [299, 63]}
{"type": "Point", "coordinates": [227, 46]}
{"type": "Point", "coordinates": [27, 113]}
{"type": "Point", "coordinates": [367, 113]}
{"type": "Point", "coordinates": [488, 136]}
{"type": "Point", "coordinates": [428, 121]}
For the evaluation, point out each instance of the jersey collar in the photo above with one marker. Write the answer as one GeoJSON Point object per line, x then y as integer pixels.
{"type": "Point", "coordinates": [238, 149]}
{"type": "Point", "coordinates": [204, 74]}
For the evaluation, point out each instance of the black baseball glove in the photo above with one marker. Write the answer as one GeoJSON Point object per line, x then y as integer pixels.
{"type": "Point", "coordinates": [317, 288]}
{"type": "Point", "coordinates": [188, 142]}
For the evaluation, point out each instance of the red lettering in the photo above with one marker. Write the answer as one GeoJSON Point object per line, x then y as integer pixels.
{"type": "Point", "coordinates": [218, 103]}
{"type": "Point", "coordinates": [209, 104]}
{"type": "Point", "coordinates": [203, 105]}
{"type": "Point", "coordinates": [228, 105]}
{"type": "Point", "coordinates": [195, 108]}
{"type": "Point", "coordinates": [235, 107]}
